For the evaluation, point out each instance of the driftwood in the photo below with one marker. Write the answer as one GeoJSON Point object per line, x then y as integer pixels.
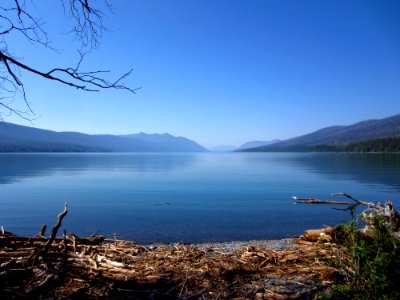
{"type": "Point", "coordinates": [55, 230]}
{"type": "Point", "coordinates": [318, 201]}
{"type": "Point", "coordinates": [387, 211]}
{"type": "Point", "coordinates": [95, 267]}
{"type": "Point", "coordinates": [41, 254]}
{"type": "Point", "coordinates": [314, 235]}
{"type": "Point", "coordinates": [122, 269]}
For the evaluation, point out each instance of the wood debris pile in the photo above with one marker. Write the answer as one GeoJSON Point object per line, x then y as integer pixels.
{"type": "Point", "coordinates": [73, 267]}
{"type": "Point", "coordinates": [76, 267]}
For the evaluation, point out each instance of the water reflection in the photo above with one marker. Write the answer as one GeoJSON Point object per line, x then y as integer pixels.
{"type": "Point", "coordinates": [213, 197]}
{"type": "Point", "coordinates": [17, 167]}
{"type": "Point", "coordinates": [371, 169]}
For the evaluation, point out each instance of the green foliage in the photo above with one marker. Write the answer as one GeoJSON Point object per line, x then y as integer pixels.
{"type": "Point", "coordinates": [370, 264]}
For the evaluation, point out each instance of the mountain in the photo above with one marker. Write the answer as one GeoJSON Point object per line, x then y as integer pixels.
{"type": "Point", "coordinates": [16, 138]}
{"type": "Point", "coordinates": [222, 148]}
{"type": "Point", "coordinates": [254, 144]}
{"type": "Point", "coordinates": [339, 135]}
{"type": "Point", "coordinates": [387, 145]}
{"type": "Point", "coordinates": [167, 142]}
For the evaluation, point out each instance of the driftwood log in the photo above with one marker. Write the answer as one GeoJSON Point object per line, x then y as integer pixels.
{"type": "Point", "coordinates": [318, 201]}
{"type": "Point", "coordinates": [386, 210]}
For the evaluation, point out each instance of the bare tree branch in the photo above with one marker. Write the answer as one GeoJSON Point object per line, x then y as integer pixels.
{"type": "Point", "coordinates": [10, 110]}
{"type": "Point", "coordinates": [16, 17]}
{"type": "Point", "coordinates": [387, 210]}
{"type": "Point", "coordinates": [369, 204]}
{"type": "Point", "coordinates": [87, 81]}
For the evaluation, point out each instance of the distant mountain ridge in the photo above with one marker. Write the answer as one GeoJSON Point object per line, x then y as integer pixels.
{"type": "Point", "coordinates": [251, 144]}
{"type": "Point", "coordinates": [254, 144]}
{"type": "Point", "coordinates": [17, 138]}
{"type": "Point", "coordinates": [339, 135]}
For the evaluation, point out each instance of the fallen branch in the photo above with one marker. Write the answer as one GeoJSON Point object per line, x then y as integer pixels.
{"type": "Point", "coordinates": [386, 210]}
{"type": "Point", "coordinates": [318, 201]}
{"type": "Point", "coordinates": [360, 202]}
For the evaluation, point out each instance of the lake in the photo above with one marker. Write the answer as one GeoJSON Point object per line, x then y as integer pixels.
{"type": "Point", "coordinates": [188, 197]}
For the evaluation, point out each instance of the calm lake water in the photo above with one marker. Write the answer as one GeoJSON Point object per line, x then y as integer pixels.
{"type": "Point", "coordinates": [187, 197]}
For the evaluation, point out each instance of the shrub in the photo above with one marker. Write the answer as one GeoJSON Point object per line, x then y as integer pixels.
{"type": "Point", "coordinates": [369, 263]}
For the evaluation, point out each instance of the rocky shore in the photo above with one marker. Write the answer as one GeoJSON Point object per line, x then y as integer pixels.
{"type": "Point", "coordinates": [275, 245]}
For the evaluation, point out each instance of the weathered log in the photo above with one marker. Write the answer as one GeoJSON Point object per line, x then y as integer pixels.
{"type": "Point", "coordinates": [103, 260]}
{"type": "Point", "coordinates": [15, 253]}
{"type": "Point", "coordinates": [95, 240]}
{"type": "Point", "coordinates": [92, 240]}
{"type": "Point", "coordinates": [387, 210]}
{"type": "Point", "coordinates": [314, 235]}
{"type": "Point", "coordinates": [307, 243]}
{"type": "Point", "coordinates": [318, 201]}
{"type": "Point", "coordinates": [13, 239]}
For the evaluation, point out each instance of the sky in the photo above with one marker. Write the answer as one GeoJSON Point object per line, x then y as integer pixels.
{"type": "Point", "coordinates": [222, 72]}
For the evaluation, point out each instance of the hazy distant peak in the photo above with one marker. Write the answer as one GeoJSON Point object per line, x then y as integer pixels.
{"type": "Point", "coordinates": [144, 134]}
{"type": "Point", "coordinates": [155, 137]}
{"type": "Point", "coordinates": [223, 148]}
{"type": "Point", "coordinates": [254, 144]}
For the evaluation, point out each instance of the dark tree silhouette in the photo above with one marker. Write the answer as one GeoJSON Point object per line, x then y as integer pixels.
{"type": "Point", "coordinates": [17, 18]}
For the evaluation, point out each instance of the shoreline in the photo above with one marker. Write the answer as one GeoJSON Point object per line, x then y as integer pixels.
{"type": "Point", "coordinates": [238, 245]}
{"type": "Point", "coordinates": [77, 267]}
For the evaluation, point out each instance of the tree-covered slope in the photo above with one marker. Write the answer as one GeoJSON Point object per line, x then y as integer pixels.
{"type": "Point", "coordinates": [339, 135]}
{"type": "Point", "coordinates": [16, 138]}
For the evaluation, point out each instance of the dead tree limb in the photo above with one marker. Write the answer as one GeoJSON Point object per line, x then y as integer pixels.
{"type": "Point", "coordinates": [354, 199]}
{"type": "Point", "coordinates": [387, 210]}
{"type": "Point", "coordinates": [318, 201]}
{"type": "Point", "coordinates": [87, 81]}
{"type": "Point", "coordinates": [54, 231]}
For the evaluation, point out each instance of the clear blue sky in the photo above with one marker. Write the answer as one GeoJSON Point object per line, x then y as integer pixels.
{"type": "Point", "coordinates": [225, 71]}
